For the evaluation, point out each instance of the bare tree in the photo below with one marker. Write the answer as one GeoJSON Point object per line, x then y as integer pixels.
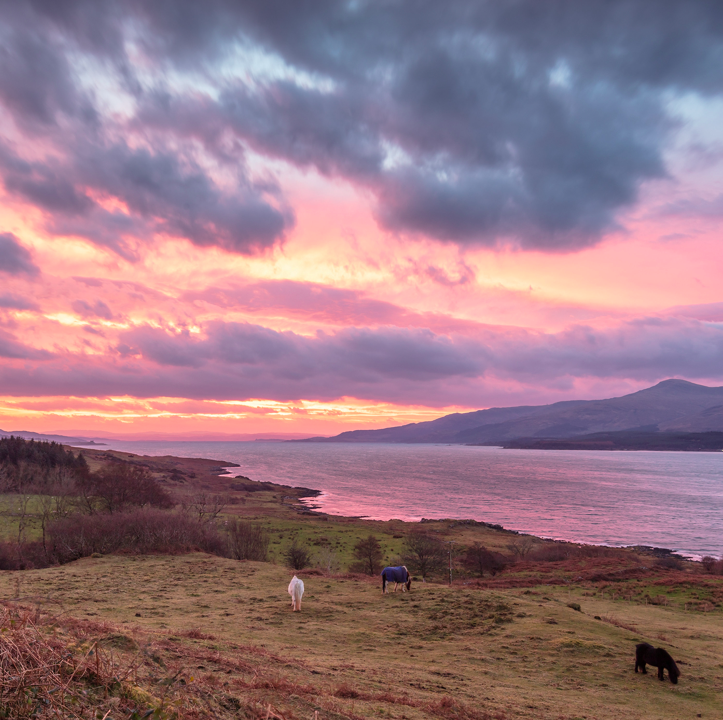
{"type": "Point", "coordinates": [368, 553]}
{"type": "Point", "coordinates": [207, 507]}
{"type": "Point", "coordinates": [521, 547]}
{"type": "Point", "coordinates": [478, 559]}
{"type": "Point", "coordinates": [327, 560]}
{"type": "Point", "coordinates": [21, 511]}
{"type": "Point", "coordinates": [423, 554]}
{"type": "Point", "coordinates": [63, 490]}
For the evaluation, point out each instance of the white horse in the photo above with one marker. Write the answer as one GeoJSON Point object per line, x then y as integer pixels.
{"type": "Point", "coordinates": [296, 590]}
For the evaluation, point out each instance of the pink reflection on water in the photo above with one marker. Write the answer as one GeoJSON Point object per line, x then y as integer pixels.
{"type": "Point", "coordinates": [672, 500]}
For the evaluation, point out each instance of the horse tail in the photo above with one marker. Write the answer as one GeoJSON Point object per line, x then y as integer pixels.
{"type": "Point", "coordinates": [384, 582]}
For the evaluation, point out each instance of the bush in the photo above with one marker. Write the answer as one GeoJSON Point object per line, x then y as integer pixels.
{"type": "Point", "coordinates": [712, 565]}
{"type": "Point", "coordinates": [140, 531]}
{"type": "Point", "coordinates": [423, 554]}
{"type": "Point", "coordinates": [368, 553]}
{"type": "Point", "coordinates": [552, 552]}
{"type": "Point", "coordinates": [297, 557]}
{"type": "Point", "coordinates": [247, 541]}
{"type": "Point", "coordinates": [479, 560]}
{"type": "Point", "coordinates": [670, 562]}
{"type": "Point", "coordinates": [120, 485]}
{"type": "Point", "coordinates": [23, 556]}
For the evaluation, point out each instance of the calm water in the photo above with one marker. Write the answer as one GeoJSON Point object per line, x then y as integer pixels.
{"type": "Point", "coordinates": [672, 500]}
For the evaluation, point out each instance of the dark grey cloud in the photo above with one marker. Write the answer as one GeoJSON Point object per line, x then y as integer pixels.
{"type": "Point", "coordinates": [17, 302]}
{"type": "Point", "coordinates": [472, 125]}
{"type": "Point", "coordinates": [366, 357]}
{"type": "Point", "coordinates": [98, 309]}
{"type": "Point", "coordinates": [36, 80]}
{"type": "Point", "coordinates": [14, 258]}
{"type": "Point", "coordinates": [478, 122]}
{"type": "Point", "coordinates": [12, 349]}
{"type": "Point", "coordinates": [47, 185]}
{"type": "Point", "coordinates": [165, 192]}
{"type": "Point", "coordinates": [644, 349]}
{"type": "Point", "coordinates": [235, 361]}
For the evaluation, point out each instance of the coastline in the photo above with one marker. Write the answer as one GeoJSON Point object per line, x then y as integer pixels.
{"type": "Point", "coordinates": [303, 501]}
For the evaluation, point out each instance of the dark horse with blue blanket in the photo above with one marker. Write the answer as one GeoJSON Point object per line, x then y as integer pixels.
{"type": "Point", "coordinates": [397, 575]}
{"type": "Point", "coordinates": [645, 653]}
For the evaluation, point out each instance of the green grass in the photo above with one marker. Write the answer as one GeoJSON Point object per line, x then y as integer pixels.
{"type": "Point", "coordinates": [10, 516]}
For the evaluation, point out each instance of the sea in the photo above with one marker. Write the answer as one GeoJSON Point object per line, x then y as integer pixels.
{"type": "Point", "coordinates": [671, 500]}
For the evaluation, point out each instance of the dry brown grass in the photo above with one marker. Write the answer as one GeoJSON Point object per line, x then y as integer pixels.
{"type": "Point", "coordinates": [44, 676]}
{"type": "Point", "coordinates": [215, 633]}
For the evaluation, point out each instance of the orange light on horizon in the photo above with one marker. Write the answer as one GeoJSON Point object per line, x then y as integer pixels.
{"type": "Point", "coordinates": [98, 415]}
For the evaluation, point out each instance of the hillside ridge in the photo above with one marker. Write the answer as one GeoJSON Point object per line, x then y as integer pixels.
{"type": "Point", "coordinates": [670, 405]}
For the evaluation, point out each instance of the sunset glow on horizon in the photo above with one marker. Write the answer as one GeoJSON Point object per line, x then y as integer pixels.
{"type": "Point", "coordinates": [262, 218]}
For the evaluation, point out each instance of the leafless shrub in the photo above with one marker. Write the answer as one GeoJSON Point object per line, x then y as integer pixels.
{"type": "Point", "coordinates": [552, 552]}
{"type": "Point", "coordinates": [120, 485]}
{"type": "Point", "coordinates": [143, 530]}
{"type": "Point", "coordinates": [712, 565]}
{"type": "Point", "coordinates": [670, 563]}
{"type": "Point", "coordinates": [346, 691]}
{"type": "Point", "coordinates": [327, 560]}
{"type": "Point", "coordinates": [247, 541]}
{"type": "Point", "coordinates": [24, 556]}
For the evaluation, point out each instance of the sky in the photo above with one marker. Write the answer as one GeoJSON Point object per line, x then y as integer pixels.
{"type": "Point", "coordinates": [229, 218]}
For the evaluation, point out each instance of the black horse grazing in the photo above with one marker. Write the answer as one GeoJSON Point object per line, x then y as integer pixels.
{"type": "Point", "coordinates": [645, 653]}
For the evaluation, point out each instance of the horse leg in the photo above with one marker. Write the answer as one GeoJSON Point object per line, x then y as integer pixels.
{"type": "Point", "coordinates": [661, 677]}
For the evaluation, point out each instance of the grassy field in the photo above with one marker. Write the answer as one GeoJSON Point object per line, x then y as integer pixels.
{"type": "Point", "coordinates": [351, 652]}
{"type": "Point", "coordinates": [217, 637]}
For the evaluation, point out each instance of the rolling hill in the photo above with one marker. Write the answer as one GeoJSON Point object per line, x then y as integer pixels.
{"type": "Point", "coordinates": [669, 406]}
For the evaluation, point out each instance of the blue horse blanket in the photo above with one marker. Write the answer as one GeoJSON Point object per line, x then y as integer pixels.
{"type": "Point", "coordinates": [395, 574]}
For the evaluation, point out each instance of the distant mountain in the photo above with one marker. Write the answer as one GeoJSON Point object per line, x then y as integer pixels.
{"type": "Point", "coordinates": [62, 439]}
{"type": "Point", "coordinates": [671, 405]}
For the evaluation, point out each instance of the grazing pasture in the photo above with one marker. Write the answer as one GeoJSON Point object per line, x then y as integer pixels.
{"type": "Point", "coordinates": [439, 651]}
